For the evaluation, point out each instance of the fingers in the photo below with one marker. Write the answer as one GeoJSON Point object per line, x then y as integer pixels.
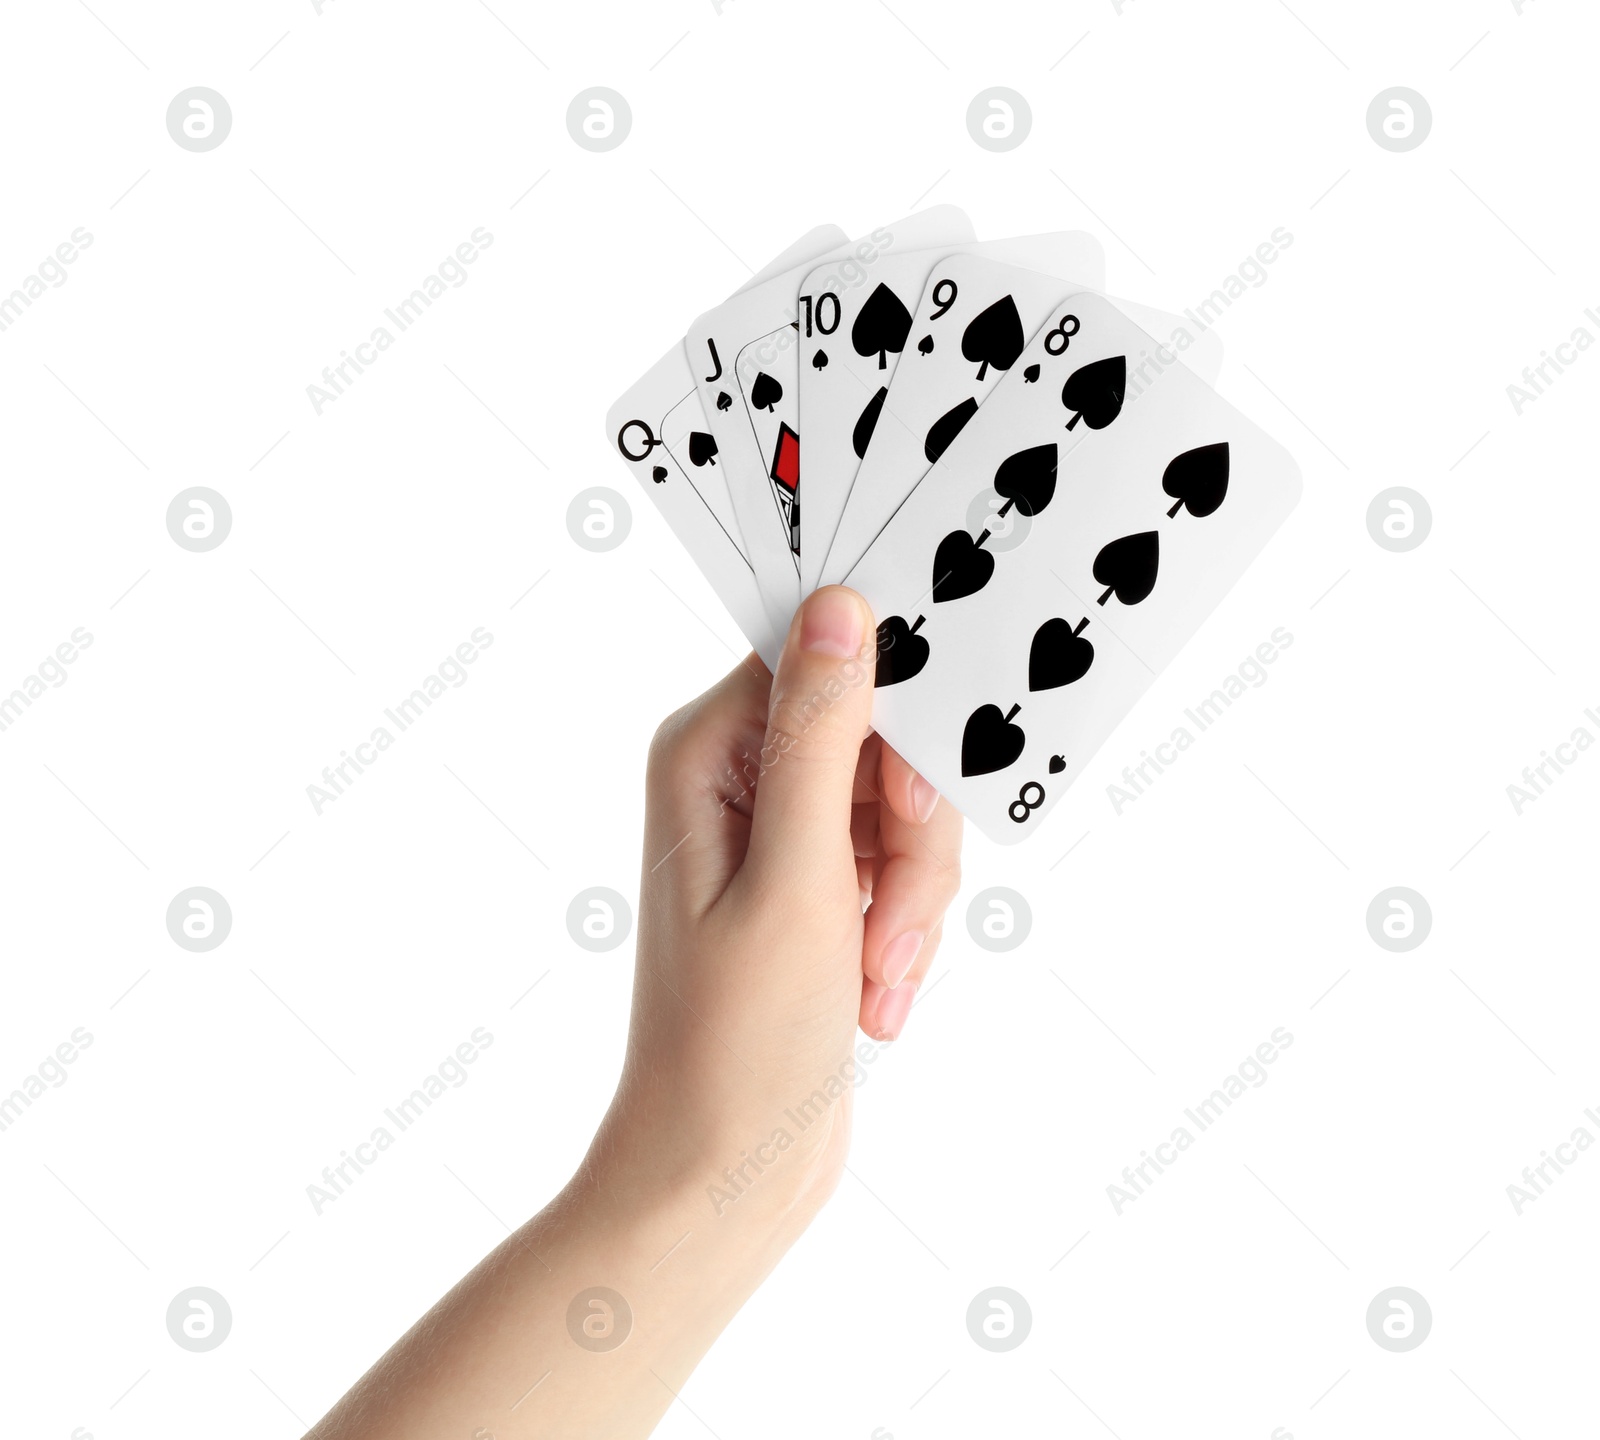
{"type": "Point", "coordinates": [910, 796]}
{"type": "Point", "coordinates": [884, 1012]}
{"type": "Point", "coordinates": [699, 791]}
{"type": "Point", "coordinates": [818, 716]}
{"type": "Point", "coordinates": [919, 873]}
{"type": "Point", "coordinates": [872, 1020]}
{"type": "Point", "coordinates": [690, 750]}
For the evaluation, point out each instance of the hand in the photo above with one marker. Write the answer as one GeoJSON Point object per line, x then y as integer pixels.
{"type": "Point", "coordinates": [772, 820]}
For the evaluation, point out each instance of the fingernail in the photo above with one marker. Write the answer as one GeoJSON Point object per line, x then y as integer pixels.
{"type": "Point", "coordinates": [832, 624]}
{"type": "Point", "coordinates": [892, 1011]}
{"type": "Point", "coordinates": [899, 955]}
{"type": "Point", "coordinates": [924, 799]}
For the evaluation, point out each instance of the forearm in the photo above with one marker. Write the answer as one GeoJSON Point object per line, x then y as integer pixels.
{"type": "Point", "coordinates": [512, 1350]}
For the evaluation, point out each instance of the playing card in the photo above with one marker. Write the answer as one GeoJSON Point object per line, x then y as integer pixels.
{"type": "Point", "coordinates": [709, 483]}
{"type": "Point", "coordinates": [853, 329]}
{"type": "Point", "coordinates": [769, 397]}
{"type": "Point", "coordinates": [765, 507]}
{"type": "Point", "coordinates": [971, 323]}
{"type": "Point", "coordinates": [819, 240]}
{"type": "Point", "coordinates": [1063, 549]}
{"type": "Point", "coordinates": [666, 453]}
{"type": "Point", "coordinates": [659, 429]}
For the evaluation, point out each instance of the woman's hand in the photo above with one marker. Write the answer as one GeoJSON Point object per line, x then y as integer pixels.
{"type": "Point", "coordinates": [773, 819]}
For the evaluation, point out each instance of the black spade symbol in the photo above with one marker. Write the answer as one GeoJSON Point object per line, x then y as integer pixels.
{"type": "Point", "coordinates": [990, 742]}
{"type": "Point", "coordinates": [925, 345]}
{"type": "Point", "coordinates": [724, 400]}
{"type": "Point", "coordinates": [881, 327]}
{"type": "Point", "coordinates": [901, 651]}
{"type": "Point", "coordinates": [766, 392]}
{"type": "Point", "coordinates": [947, 427]}
{"type": "Point", "coordinates": [1094, 393]}
{"type": "Point", "coordinates": [1027, 479]}
{"type": "Point", "coordinates": [1058, 763]}
{"type": "Point", "coordinates": [959, 567]}
{"type": "Point", "coordinates": [994, 337]}
{"type": "Point", "coordinates": [819, 361]}
{"type": "Point", "coordinates": [702, 448]}
{"type": "Point", "coordinates": [1030, 374]}
{"type": "Point", "coordinates": [659, 474]}
{"type": "Point", "coordinates": [1199, 479]}
{"type": "Point", "coordinates": [1127, 567]}
{"type": "Point", "coordinates": [861, 436]}
{"type": "Point", "coordinates": [1059, 656]}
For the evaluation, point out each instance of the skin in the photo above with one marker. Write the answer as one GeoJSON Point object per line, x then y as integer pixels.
{"type": "Point", "coordinates": [774, 819]}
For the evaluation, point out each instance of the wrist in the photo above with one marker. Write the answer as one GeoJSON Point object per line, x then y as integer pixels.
{"type": "Point", "coordinates": [732, 1183]}
{"type": "Point", "coordinates": [742, 1192]}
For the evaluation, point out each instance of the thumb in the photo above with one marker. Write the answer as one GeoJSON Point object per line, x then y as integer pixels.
{"type": "Point", "coordinates": [819, 713]}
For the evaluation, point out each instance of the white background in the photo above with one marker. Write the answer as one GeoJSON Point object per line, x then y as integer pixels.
{"type": "Point", "coordinates": [367, 942]}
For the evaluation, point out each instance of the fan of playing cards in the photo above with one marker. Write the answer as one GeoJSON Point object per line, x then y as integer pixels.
{"type": "Point", "coordinates": [1040, 500]}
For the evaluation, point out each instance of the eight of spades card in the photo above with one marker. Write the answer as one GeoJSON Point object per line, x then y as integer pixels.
{"type": "Point", "coordinates": [1140, 501]}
